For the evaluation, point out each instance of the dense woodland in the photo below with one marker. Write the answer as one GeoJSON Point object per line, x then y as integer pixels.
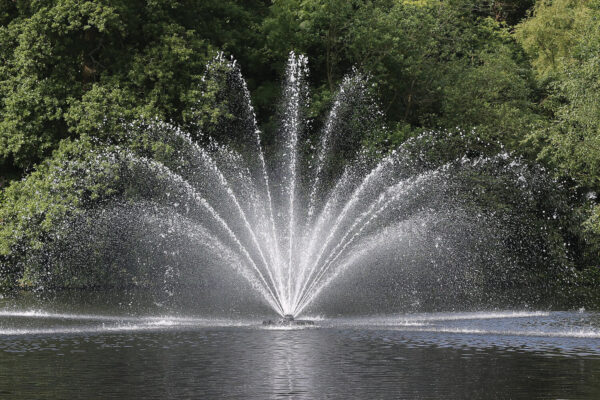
{"type": "Point", "coordinates": [521, 76]}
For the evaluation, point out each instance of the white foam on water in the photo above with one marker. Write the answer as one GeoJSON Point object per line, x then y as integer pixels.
{"type": "Point", "coordinates": [313, 317]}
{"type": "Point", "coordinates": [54, 315]}
{"type": "Point", "coordinates": [111, 323]}
{"type": "Point", "coordinates": [158, 325]}
{"type": "Point", "coordinates": [76, 330]}
{"type": "Point", "coordinates": [480, 315]}
{"type": "Point", "coordinates": [427, 319]}
{"type": "Point", "coordinates": [289, 327]}
{"type": "Point", "coordinates": [567, 333]}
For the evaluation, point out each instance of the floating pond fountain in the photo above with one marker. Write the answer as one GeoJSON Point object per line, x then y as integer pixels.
{"type": "Point", "coordinates": [308, 215]}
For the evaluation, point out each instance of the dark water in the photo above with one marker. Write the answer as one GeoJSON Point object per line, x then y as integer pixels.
{"type": "Point", "coordinates": [465, 355]}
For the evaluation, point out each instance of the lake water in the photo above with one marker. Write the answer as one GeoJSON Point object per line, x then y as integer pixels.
{"type": "Point", "coordinates": [500, 354]}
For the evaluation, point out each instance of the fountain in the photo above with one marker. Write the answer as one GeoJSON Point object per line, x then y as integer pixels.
{"type": "Point", "coordinates": [295, 220]}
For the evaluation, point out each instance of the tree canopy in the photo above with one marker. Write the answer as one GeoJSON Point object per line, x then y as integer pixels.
{"type": "Point", "coordinates": [521, 76]}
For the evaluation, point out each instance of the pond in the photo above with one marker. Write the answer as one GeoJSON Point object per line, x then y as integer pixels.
{"type": "Point", "coordinates": [495, 354]}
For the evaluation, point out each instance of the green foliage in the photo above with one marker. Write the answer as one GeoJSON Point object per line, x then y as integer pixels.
{"type": "Point", "coordinates": [69, 67]}
{"type": "Point", "coordinates": [488, 74]}
{"type": "Point", "coordinates": [493, 96]}
{"type": "Point", "coordinates": [563, 39]}
{"type": "Point", "coordinates": [549, 36]}
{"type": "Point", "coordinates": [434, 64]}
{"type": "Point", "coordinates": [64, 63]}
{"type": "Point", "coordinates": [33, 207]}
{"type": "Point", "coordinates": [82, 175]}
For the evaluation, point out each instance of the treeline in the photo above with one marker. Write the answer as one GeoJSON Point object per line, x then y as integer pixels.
{"type": "Point", "coordinates": [520, 75]}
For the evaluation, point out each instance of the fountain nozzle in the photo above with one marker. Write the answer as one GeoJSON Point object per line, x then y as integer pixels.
{"type": "Point", "coordinates": [288, 320]}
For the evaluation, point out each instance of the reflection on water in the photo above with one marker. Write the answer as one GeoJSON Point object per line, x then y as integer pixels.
{"type": "Point", "coordinates": [453, 355]}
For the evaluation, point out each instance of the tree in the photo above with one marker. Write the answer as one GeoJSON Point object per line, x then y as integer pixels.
{"type": "Point", "coordinates": [67, 66]}
{"type": "Point", "coordinates": [563, 40]}
{"type": "Point", "coordinates": [421, 55]}
{"type": "Point", "coordinates": [550, 35]}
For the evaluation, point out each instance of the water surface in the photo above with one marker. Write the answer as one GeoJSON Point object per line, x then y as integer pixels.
{"type": "Point", "coordinates": [505, 354]}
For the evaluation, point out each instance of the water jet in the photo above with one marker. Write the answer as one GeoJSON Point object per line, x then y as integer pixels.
{"type": "Point", "coordinates": [302, 222]}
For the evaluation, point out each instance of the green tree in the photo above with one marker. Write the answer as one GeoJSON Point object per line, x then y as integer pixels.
{"type": "Point", "coordinates": [493, 95]}
{"type": "Point", "coordinates": [67, 66]}
{"type": "Point", "coordinates": [550, 35]}
{"type": "Point", "coordinates": [563, 40]}
{"type": "Point", "coordinates": [434, 64]}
